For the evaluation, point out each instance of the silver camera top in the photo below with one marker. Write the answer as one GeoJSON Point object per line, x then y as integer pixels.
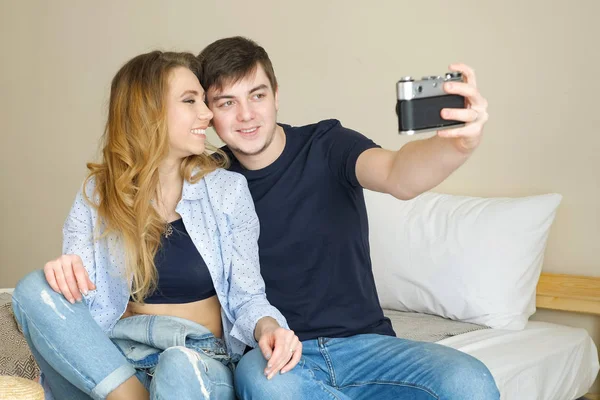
{"type": "Point", "coordinates": [408, 88]}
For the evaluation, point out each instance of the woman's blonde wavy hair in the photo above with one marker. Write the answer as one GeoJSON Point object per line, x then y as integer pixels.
{"type": "Point", "coordinates": [135, 142]}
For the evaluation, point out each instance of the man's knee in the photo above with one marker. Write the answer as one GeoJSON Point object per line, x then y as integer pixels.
{"type": "Point", "coordinates": [251, 368]}
{"type": "Point", "coordinates": [251, 382]}
{"type": "Point", "coordinates": [468, 378]}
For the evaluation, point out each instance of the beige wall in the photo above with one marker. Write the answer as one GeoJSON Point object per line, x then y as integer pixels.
{"type": "Point", "coordinates": [535, 63]}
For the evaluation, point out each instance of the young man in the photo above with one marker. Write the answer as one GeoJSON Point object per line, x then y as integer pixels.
{"type": "Point", "coordinates": [307, 185]}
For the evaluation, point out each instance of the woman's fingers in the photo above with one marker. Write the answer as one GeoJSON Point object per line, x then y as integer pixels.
{"type": "Point", "coordinates": [67, 275]}
{"type": "Point", "coordinates": [287, 345]}
{"type": "Point", "coordinates": [297, 354]}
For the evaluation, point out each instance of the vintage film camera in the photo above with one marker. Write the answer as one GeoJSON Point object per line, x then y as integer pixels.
{"type": "Point", "coordinates": [420, 102]}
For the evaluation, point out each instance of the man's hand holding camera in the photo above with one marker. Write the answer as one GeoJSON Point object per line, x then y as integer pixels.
{"type": "Point", "coordinates": [449, 104]}
{"type": "Point", "coordinates": [474, 116]}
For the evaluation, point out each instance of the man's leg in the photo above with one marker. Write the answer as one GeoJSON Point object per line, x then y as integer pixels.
{"type": "Point", "coordinates": [308, 379]}
{"type": "Point", "coordinates": [385, 367]}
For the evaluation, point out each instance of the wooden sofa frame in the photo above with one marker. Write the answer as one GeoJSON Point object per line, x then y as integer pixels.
{"type": "Point", "coordinates": [579, 294]}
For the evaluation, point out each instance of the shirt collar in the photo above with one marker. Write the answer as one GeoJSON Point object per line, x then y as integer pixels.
{"type": "Point", "coordinates": [193, 191]}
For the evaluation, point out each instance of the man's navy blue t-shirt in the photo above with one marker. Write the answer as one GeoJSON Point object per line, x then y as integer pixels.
{"type": "Point", "coordinates": [314, 247]}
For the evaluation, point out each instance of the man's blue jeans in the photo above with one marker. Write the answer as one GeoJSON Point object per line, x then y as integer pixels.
{"type": "Point", "coordinates": [172, 357]}
{"type": "Point", "coordinates": [369, 367]}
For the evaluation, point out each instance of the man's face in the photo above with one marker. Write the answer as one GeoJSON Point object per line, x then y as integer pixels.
{"type": "Point", "coordinates": [245, 114]}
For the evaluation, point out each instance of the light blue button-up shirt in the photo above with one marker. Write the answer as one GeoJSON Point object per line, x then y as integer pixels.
{"type": "Point", "coordinates": [218, 214]}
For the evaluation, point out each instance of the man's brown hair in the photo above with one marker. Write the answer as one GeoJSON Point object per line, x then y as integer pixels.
{"type": "Point", "coordinates": [230, 60]}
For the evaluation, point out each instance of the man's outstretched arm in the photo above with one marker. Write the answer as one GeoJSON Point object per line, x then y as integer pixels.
{"type": "Point", "coordinates": [423, 164]}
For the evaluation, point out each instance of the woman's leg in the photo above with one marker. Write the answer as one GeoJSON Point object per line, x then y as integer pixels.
{"type": "Point", "coordinates": [61, 388]}
{"type": "Point", "coordinates": [183, 373]}
{"type": "Point", "coordinates": [67, 342]}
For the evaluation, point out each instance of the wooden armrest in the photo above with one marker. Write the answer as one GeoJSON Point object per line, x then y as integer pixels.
{"type": "Point", "coordinates": [569, 293]}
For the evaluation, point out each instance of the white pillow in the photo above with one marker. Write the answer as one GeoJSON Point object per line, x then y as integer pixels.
{"type": "Point", "coordinates": [465, 258]}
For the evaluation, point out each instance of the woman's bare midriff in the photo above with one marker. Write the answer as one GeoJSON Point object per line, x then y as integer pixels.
{"type": "Point", "coordinates": [205, 312]}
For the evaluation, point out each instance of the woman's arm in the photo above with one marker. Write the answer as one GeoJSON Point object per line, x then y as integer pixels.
{"type": "Point", "coordinates": [70, 273]}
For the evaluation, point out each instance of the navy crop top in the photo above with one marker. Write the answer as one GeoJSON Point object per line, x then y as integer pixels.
{"type": "Point", "coordinates": [183, 276]}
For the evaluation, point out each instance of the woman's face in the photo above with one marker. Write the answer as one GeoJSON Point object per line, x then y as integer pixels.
{"type": "Point", "coordinates": [187, 114]}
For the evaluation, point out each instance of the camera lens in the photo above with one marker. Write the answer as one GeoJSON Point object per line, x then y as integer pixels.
{"type": "Point", "coordinates": [420, 89]}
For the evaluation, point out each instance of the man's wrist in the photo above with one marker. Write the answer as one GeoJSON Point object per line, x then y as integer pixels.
{"type": "Point", "coordinates": [467, 145]}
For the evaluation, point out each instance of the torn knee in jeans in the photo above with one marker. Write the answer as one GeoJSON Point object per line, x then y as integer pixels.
{"type": "Point", "coordinates": [180, 353]}
{"type": "Point", "coordinates": [47, 299]}
{"type": "Point", "coordinates": [180, 360]}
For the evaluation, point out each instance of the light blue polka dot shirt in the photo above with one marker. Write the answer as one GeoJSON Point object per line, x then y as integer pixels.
{"type": "Point", "coordinates": [218, 213]}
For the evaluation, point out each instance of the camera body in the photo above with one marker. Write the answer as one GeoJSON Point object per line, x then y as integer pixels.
{"type": "Point", "coordinates": [420, 102]}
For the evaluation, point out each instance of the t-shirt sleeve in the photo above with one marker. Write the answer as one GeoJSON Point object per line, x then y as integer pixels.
{"type": "Point", "coordinates": [342, 147]}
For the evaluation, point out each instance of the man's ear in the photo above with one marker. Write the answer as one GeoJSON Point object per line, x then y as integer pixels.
{"type": "Point", "coordinates": [277, 99]}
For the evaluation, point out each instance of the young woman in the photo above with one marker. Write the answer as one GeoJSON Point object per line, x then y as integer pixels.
{"type": "Point", "coordinates": [162, 244]}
